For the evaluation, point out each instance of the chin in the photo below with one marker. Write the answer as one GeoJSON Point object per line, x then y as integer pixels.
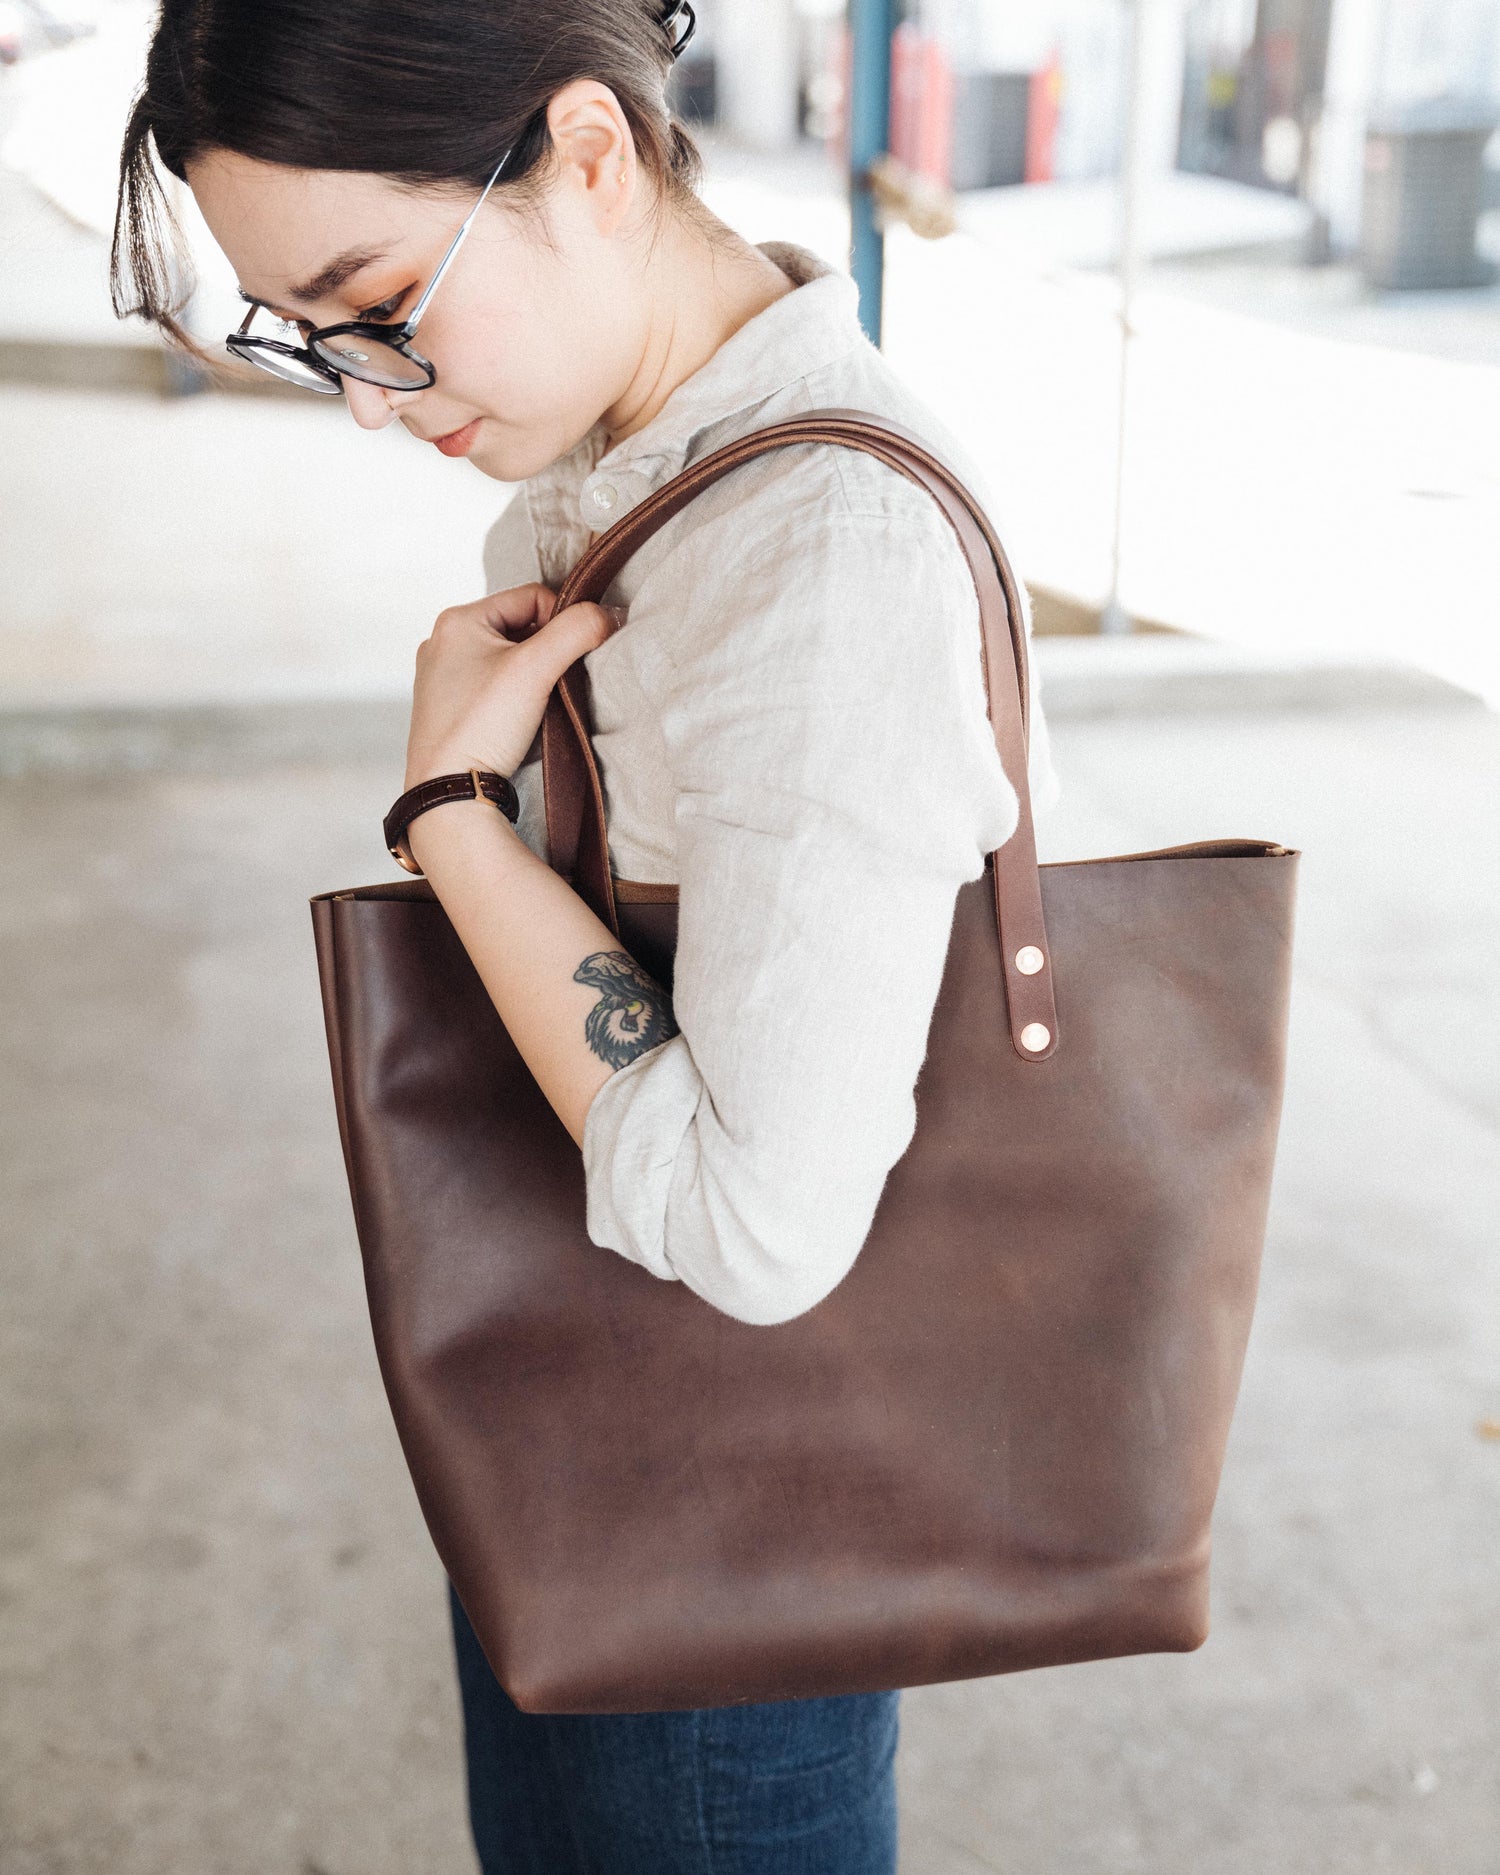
{"type": "Point", "coordinates": [510, 453]}
{"type": "Point", "coordinates": [511, 458]}
{"type": "Point", "coordinates": [495, 464]}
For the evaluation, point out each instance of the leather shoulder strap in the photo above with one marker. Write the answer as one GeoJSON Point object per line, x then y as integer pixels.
{"type": "Point", "coordinates": [576, 830]}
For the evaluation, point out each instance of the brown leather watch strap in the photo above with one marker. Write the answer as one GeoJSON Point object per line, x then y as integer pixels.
{"type": "Point", "coordinates": [474, 784]}
{"type": "Point", "coordinates": [576, 830]}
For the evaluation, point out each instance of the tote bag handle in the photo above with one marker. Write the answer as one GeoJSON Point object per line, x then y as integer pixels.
{"type": "Point", "coordinates": [576, 830]}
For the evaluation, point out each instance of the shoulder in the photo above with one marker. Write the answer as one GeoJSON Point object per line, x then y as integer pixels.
{"type": "Point", "coordinates": [862, 379]}
{"type": "Point", "coordinates": [798, 502]}
{"type": "Point", "coordinates": [801, 547]}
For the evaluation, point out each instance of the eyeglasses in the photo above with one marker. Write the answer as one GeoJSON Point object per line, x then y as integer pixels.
{"type": "Point", "coordinates": [362, 348]}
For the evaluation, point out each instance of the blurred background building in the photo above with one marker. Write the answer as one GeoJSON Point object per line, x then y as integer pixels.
{"type": "Point", "coordinates": [1284, 95]}
{"type": "Point", "coordinates": [1255, 419]}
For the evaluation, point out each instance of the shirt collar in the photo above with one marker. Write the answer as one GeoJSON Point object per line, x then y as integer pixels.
{"type": "Point", "coordinates": [794, 336]}
{"type": "Point", "coordinates": [814, 325]}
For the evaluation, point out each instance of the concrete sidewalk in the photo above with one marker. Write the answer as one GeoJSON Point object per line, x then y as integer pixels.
{"type": "Point", "coordinates": [221, 1627]}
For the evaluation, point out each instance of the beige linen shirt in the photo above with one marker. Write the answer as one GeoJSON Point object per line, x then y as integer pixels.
{"type": "Point", "coordinates": [791, 727]}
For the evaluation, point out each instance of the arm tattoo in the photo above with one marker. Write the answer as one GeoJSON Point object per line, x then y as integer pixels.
{"type": "Point", "coordinates": [632, 1014]}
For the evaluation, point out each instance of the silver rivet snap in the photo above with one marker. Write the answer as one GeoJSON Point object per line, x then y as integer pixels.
{"type": "Point", "coordinates": [1035, 1036]}
{"type": "Point", "coordinates": [1029, 960]}
{"type": "Point", "coordinates": [605, 495]}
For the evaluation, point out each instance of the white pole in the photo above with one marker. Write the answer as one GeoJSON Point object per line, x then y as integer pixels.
{"type": "Point", "coordinates": [1134, 159]}
{"type": "Point", "coordinates": [1356, 38]}
{"type": "Point", "coordinates": [755, 46]}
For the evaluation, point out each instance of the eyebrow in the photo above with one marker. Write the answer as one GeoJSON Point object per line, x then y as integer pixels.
{"type": "Point", "coordinates": [339, 272]}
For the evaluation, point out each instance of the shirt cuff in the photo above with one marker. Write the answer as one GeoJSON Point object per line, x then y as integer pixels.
{"type": "Point", "coordinates": [633, 1136]}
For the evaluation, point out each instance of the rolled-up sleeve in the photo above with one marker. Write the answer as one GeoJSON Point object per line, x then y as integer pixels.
{"type": "Point", "coordinates": [835, 781]}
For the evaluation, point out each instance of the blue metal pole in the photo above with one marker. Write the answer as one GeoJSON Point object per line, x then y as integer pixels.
{"type": "Point", "coordinates": [871, 23]}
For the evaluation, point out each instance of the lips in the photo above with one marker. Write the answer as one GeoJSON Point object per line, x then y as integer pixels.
{"type": "Point", "coordinates": [458, 442]}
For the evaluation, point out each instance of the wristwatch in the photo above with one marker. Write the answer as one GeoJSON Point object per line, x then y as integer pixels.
{"type": "Point", "coordinates": [476, 784]}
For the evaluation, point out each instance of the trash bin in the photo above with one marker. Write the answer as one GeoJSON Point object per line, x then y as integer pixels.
{"type": "Point", "coordinates": [989, 129]}
{"type": "Point", "coordinates": [1423, 195]}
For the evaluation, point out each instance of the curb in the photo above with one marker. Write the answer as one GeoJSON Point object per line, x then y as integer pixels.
{"type": "Point", "coordinates": [1168, 673]}
{"type": "Point", "coordinates": [100, 741]}
{"type": "Point", "coordinates": [1150, 674]}
{"type": "Point", "coordinates": [127, 366]}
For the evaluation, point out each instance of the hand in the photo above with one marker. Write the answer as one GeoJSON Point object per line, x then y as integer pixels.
{"type": "Point", "coordinates": [479, 694]}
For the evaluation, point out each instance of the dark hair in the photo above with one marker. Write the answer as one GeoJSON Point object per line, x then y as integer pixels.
{"type": "Point", "coordinates": [421, 91]}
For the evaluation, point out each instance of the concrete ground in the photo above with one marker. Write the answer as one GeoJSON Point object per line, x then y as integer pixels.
{"type": "Point", "coordinates": [222, 1642]}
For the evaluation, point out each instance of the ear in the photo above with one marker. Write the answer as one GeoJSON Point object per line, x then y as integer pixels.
{"type": "Point", "coordinates": [595, 151]}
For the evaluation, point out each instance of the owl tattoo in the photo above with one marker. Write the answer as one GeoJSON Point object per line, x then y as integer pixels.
{"type": "Point", "coordinates": [632, 1014]}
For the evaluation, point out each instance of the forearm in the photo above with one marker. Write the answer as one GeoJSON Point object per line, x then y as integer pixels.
{"type": "Point", "coordinates": [529, 936]}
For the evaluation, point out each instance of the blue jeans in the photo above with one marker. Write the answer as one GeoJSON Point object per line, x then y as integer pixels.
{"type": "Point", "coordinates": [798, 1787]}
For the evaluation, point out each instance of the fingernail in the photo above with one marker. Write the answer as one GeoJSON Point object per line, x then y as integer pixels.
{"type": "Point", "coordinates": [617, 615]}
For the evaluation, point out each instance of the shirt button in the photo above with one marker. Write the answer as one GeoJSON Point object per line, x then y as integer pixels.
{"type": "Point", "coordinates": [605, 496]}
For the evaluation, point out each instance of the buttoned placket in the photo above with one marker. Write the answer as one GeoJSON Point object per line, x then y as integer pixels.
{"type": "Point", "coordinates": [612, 491]}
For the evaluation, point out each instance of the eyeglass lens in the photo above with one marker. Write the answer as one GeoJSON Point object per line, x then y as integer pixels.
{"type": "Point", "coordinates": [286, 366]}
{"type": "Point", "coordinates": [348, 352]}
{"type": "Point", "coordinates": [363, 357]}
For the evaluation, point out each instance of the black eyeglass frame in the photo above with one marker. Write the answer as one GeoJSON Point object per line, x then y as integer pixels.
{"type": "Point", "coordinates": [245, 344]}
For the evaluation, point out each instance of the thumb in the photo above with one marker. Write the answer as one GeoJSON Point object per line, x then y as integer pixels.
{"type": "Point", "coordinates": [573, 632]}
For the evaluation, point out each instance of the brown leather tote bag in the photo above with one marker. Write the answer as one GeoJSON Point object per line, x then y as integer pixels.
{"type": "Point", "coordinates": [997, 1444]}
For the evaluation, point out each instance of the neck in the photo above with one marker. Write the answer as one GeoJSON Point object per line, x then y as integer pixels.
{"type": "Point", "coordinates": [705, 283]}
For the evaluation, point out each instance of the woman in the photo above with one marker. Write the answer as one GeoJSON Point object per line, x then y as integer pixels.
{"type": "Point", "coordinates": [792, 727]}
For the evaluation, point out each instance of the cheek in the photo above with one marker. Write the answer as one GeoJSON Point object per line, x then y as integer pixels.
{"type": "Point", "coordinates": [507, 357]}
{"type": "Point", "coordinates": [545, 371]}
{"type": "Point", "coordinates": [476, 350]}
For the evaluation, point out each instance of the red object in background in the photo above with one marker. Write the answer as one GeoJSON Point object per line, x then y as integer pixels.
{"type": "Point", "coordinates": [840, 71]}
{"type": "Point", "coordinates": [906, 78]}
{"type": "Point", "coordinates": [921, 105]}
{"type": "Point", "coordinates": [922, 92]}
{"type": "Point", "coordinates": [1043, 105]}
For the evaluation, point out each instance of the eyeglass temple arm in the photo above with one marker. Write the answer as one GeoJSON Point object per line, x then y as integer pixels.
{"type": "Point", "coordinates": [457, 242]}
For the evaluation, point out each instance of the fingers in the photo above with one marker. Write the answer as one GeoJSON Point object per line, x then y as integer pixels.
{"type": "Point", "coordinates": [571, 634]}
{"type": "Point", "coordinates": [515, 613]}
{"type": "Point", "coordinates": [525, 621]}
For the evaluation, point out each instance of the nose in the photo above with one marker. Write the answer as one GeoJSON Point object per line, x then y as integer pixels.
{"type": "Point", "coordinates": [371, 405]}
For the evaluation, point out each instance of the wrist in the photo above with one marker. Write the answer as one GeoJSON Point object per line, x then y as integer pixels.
{"type": "Point", "coordinates": [473, 788]}
{"type": "Point", "coordinates": [444, 762]}
{"type": "Point", "coordinates": [462, 833]}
